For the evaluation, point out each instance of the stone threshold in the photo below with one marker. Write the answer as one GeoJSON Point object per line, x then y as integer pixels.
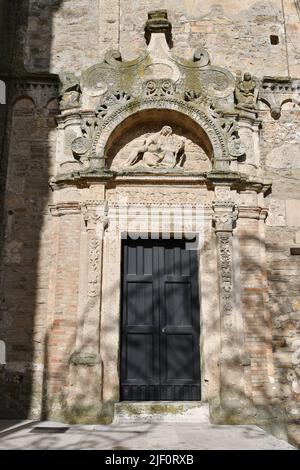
{"type": "Point", "coordinates": [161, 411]}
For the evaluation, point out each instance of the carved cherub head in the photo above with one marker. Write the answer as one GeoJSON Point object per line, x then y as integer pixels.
{"type": "Point", "coordinates": [247, 77]}
{"type": "Point", "coordinates": [166, 130]}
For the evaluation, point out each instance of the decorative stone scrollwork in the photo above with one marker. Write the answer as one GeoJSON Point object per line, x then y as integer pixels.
{"type": "Point", "coordinates": [82, 145]}
{"type": "Point", "coordinates": [158, 79]}
{"type": "Point", "coordinates": [225, 214]}
{"type": "Point", "coordinates": [110, 102]}
{"type": "Point", "coordinates": [159, 88]}
{"type": "Point", "coordinates": [236, 148]}
{"type": "Point", "coordinates": [112, 56]}
{"type": "Point", "coordinates": [225, 253]}
{"type": "Point", "coordinates": [95, 79]}
{"type": "Point", "coordinates": [201, 56]}
{"type": "Point", "coordinates": [94, 261]}
{"type": "Point", "coordinates": [216, 81]}
{"type": "Point", "coordinates": [191, 95]}
{"type": "Point", "coordinates": [96, 220]}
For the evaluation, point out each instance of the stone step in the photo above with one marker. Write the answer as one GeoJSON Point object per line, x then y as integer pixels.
{"type": "Point", "coordinates": [47, 427]}
{"type": "Point", "coordinates": [161, 411]}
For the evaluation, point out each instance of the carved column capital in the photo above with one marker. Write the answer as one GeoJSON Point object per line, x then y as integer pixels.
{"type": "Point", "coordinates": [95, 216]}
{"type": "Point", "coordinates": [225, 209]}
{"type": "Point", "coordinates": [224, 219]}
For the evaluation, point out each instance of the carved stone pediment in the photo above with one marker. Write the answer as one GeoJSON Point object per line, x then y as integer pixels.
{"type": "Point", "coordinates": [158, 71]}
{"type": "Point", "coordinates": [116, 90]}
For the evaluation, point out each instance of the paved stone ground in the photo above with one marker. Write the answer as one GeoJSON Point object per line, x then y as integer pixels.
{"type": "Point", "coordinates": [133, 436]}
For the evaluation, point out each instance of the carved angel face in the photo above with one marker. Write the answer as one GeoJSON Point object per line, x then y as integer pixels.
{"type": "Point", "coordinates": [247, 77]}
{"type": "Point", "coordinates": [166, 130]}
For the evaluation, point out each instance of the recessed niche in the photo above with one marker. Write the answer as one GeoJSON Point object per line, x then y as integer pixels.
{"type": "Point", "coordinates": [274, 39]}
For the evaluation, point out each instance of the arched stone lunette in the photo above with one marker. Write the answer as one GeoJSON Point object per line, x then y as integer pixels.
{"type": "Point", "coordinates": [203, 119]}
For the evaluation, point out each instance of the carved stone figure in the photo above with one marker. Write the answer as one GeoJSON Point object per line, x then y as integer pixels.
{"type": "Point", "coordinates": [69, 92]}
{"type": "Point", "coordinates": [246, 92]}
{"type": "Point", "coordinates": [162, 149]}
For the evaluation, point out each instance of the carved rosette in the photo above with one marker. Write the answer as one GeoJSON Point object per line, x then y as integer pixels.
{"type": "Point", "coordinates": [159, 88]}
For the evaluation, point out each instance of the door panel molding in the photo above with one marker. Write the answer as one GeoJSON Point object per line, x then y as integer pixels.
{"type": "Point", "coordinates": [160, 357]}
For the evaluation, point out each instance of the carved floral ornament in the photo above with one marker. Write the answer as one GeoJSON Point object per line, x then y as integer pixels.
{"type": "Point", "coordinates": [226, 283]}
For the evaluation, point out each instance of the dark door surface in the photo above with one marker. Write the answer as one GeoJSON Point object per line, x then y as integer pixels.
{"type": "Point", "coordinates": [160, 357]}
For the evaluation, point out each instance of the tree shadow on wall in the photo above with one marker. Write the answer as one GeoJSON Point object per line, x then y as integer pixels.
{"type": "Point", "coordinates": [266, 360]}
{"type": "Point", "coordinates": [27, 124]}
{"type": "Point", "coordinates": [256, 374]}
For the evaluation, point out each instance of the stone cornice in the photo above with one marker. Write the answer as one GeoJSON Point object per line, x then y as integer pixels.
{"type": "Point", "coordinates": [64, 208]}
{"type": "Point", "coordinates": [275, 91]}
{"type": "Point", "coordinates": [236, 181]}
{"type": "Point", "coordinates": [252, 212]}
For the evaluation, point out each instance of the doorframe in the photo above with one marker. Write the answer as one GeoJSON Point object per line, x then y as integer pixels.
{"type": "Point", "coordinates": [196, 309]}
{"type": "Point", "coordinates": [110, 321]}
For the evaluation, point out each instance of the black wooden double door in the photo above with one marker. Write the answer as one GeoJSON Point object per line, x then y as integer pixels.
{"type": "Point", "coordinates": [160, 357]}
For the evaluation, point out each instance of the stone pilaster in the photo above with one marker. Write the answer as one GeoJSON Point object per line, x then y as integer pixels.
{"type": "Point", "coordinates": [225, 214]}
{"type": "Point", "coordinates": [85, 391]}
{"type": "Point", "coordinates": [62, 307]}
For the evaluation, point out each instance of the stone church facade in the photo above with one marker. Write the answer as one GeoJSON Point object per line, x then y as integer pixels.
{"type": "Point", "coordinates": [118, 116]}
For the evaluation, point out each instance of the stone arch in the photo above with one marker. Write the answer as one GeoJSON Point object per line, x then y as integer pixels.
{"type": "Point", "coordinates": [293, 100]}
{"type": "Point", "coordinates": [201, 122]}
{"type": "Point", "coordinates": [23, 104]}
{"type": "Point", "coordinates": [52, 107]}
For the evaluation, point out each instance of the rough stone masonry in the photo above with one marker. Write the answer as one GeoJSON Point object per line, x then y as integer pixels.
{"type": "Point", "coordinates": [90, 82]}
